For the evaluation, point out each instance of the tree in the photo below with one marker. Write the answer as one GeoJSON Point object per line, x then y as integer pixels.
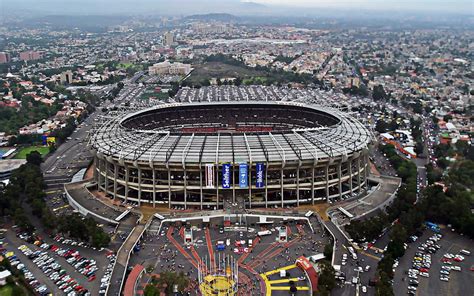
{"type": "Point", "coordinates": [327, 278]}
{"type": "Point", "coordinates": [237, 81]}
{"type": "Point", "coordinates": [379, 93]}
{"type": "Point", "coordinates": [328, 251]}
{"type": "Point", "coordinates": [381, 126]}
{"type": "Point", "coordinates": [34, 157]}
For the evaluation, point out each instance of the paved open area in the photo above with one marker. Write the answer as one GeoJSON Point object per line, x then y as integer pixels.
{"type": "Point", "coordinates": [376, 199]}
{"type": "Point", "coordinates": [256, 247]}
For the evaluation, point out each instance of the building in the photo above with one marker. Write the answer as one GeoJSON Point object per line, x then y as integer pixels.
{"type": "Point", "coordinates": [234, 144]}
{"type": "Point", "coordinates": [168, 39]}
{"type": "Point", "coordinates": [7, 166]}
{"type": "Point", "coordinates": [3, 277]}
{"type": "Point", "coordinates": [4, 57]}
{"type": "Point", "coordinates": [66, 77]}
{"type": "Point", "coordinates": [30, 55]}
{"type": "Point", "coordinates": [167, 68]}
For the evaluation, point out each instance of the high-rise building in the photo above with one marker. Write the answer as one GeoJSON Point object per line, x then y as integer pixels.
{"type": "Point", "coordinates": [168, 39]}
{"type": "Point", "coordinates": [4, 57]}
{"type": "Point", "coordinates": [30, 55]}
{"type": "Point", "coordinates": [66, 77]}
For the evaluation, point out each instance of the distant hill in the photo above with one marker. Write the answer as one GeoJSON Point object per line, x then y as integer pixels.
{"type": "Point", "coordinates": [220, 17]}
{"type": "Point", "coordinates": [89, 22]}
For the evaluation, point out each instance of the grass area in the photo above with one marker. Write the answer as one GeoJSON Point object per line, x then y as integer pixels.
{"type": "Point", "coordinates": [254, 80]}
{"type": "Point", "coordinates": [148, 94]}
{"type": "Point", "coordinates": [25, 151]}
{"type": "Point", "coordinates": [124, 65]}
{"type": "Point", "coordinates": [6, 290]}
{"type": "Point", "coordinates": [210, 70]}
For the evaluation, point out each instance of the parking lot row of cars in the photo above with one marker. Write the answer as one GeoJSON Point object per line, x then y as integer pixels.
{"type": "Point", "coordinates": [54, 271]}
{"type": "Point", "coordinates": [421, 263]}
{"type": "Point", "coordinates": [447, 266]}
{"type": "Point", "coordinates": [60, 239]}
{"type": "Point", "coordinates": [105, 280]}
{"type": "Point", "coordinates": [15, 262]}
{"type": "Point", "coordinates": [84, 266]}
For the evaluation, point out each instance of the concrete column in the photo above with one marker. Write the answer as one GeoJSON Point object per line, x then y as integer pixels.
{"type": "Point", "coordinates": [106, 165]}
{"type": "Point", "coordinates": [139, 186]}
{"type": "Point", "coordinates": [312, 184]}
{"type": "Point", "coordinates": [281, 185]}
{"type": "Point", "coordinates": [200, 184]}
{"type": "Point", "coordinates": [298, 185]}
{"type": "Point", "coordinates": [115, 179]}
{"type": "Point", "coordinates": [339, 174]}
{"type": "Point", "coordinates": [99, 179]}
{"type": "Point", "coordinates": [250, 184]}
{"type": "Point", "coordinates": [233, 183]}
{"type": "Point", "coordinates": [96, 168]}
{"type": "Point", "coordinates": [350, 174]}
{"type": "Point", "coordinates": [217, 185]}
{"type": "Point", "coordinates": [127, 177]}
{"type": "Point", "coordinates": [266, 185]}
{"type": "Point", "coordinates": [185, 188]}
{"type": "Point", "coordinates": [327, 182]}
{"type": "Point", "coordinates": [154, 186]}
{"type": "Point", "coordinates": [358, 174]}
{"type": "Point", "coordinates": [169, 187]}
{"type": "Point", "coordinates": [366, 170]}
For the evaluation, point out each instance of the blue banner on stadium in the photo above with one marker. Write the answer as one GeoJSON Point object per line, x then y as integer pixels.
{"type": "Point", "coordinates": [260, 167]}
{"type": "Point", "coordinates": [243, 175]}
{"type": "Point", "coordinates": [226, 175]}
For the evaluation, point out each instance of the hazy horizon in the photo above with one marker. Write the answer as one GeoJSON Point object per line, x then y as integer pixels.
{"type": "Point", "coordinates": [237, 7]}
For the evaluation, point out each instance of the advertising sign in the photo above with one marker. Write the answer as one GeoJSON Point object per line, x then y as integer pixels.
{"type": "Point", "coordinates": [260, 167]}
{"type": "Point", "coordinates": [226, 175]}
{"type": "Point", "coordinates": [243, 175]}
{"type": "Point", "coordinates": [51, 141]}
{"type": "Point", "coordinates": [209, 175]}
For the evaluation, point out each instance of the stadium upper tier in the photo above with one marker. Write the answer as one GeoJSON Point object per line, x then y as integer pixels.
{"type": "Point", "coordinates": [258, 128]}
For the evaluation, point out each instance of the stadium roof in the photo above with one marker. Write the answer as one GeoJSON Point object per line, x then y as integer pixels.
{"type": "Point", "coordinates": [298, 144]}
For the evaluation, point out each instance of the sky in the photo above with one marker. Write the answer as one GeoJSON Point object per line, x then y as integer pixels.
{"type": "Point", "coordinates": [465, 6]}
{"type": "Point", "coordinates": [186, 7]}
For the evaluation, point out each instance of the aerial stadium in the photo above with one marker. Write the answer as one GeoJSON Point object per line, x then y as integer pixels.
{"type": "Point", "coordinates": [257, 146]}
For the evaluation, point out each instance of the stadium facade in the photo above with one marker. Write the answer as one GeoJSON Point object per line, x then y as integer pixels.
{"type": "Point", "coordinates": [210, 146]}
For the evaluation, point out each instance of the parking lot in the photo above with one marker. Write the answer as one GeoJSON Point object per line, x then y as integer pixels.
{"type": "Point", "coordinates": [63, 266]}
{"type": "Point", "coordinates": [437, 275]}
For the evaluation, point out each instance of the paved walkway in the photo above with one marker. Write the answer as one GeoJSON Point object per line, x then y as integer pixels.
{"type": "Point", "coordinates": [117, 277]}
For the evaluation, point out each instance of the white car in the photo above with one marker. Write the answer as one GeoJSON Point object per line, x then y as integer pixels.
{"type": "Point", "coordinates": [424, 274]}
{"type": "Point", "coordinates": [364, 289]}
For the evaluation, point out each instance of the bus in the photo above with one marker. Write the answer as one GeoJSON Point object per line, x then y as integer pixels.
{"type": "Point", "coordinates": [353, 253]}
{"type": "Point", "coordinates": [465, 252]}
{"type": "Point", "coordinates": [434, 227]}
{"type": "Point", "coordinates": [264, 232]}
{"type": "Point", "coordinates": [220, 246]}
{"type": "Point", "coordinates": [158, 216]}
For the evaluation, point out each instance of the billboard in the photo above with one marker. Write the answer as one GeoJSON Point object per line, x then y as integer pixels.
{"type": "Point", "coordinates": [260, 168]}
{"type": "Point", "coordinates": [243, 175]}
{"type": "Point", "coordinates": [226, 175]}
{"type": "Point", "coordinates": [51, 141]}
{"type": "Point", "coordinates": [209, 172]}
